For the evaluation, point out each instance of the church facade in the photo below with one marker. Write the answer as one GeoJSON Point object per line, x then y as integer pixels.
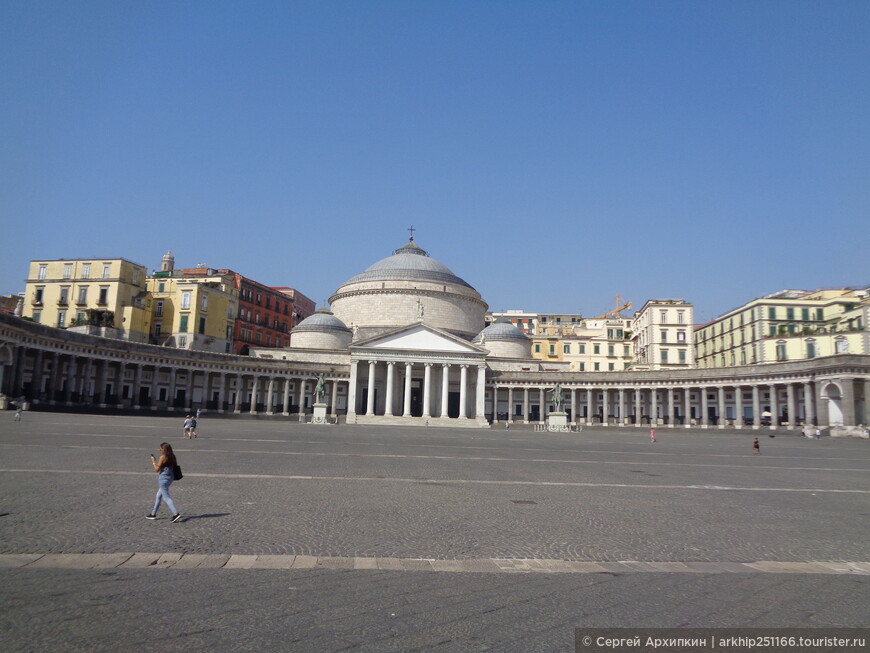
{"type": "Point", "coordinates": [404, 343]}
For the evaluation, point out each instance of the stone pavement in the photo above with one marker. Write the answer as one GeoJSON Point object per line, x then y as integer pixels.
{"type": "Point", "coordinates": [358, 515]}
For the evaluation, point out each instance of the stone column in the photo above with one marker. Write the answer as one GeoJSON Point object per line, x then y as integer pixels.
{"type": "Point", "coordinates": [237, 404]}
{"type": "Point", "coordinates": [638, 408]}
{"type": "Point", "coordinates": [370, 398]}
{"type": "Point", "coordinates": [85, 393]}
{"type": "Point", "coordinates": [573, 405]}
{"type": "Point", "coordinates": [406, 408]}
{"type": "Point", "coordinates": [774, 407]}
{"type": "Point", "coordinates": [137, 386]}
{"type": "Point", "coordinates": [301, 396]}
{"type": "Point", "coordinates": [285, 407]}
{"type": "Point", "coordinates": [70, 380]}
{"type": "Point", "coordinates": [738, 406]}
{"type": "Point", "coordinates": [792, 406]}
{"type": "Point", "coordinates": [155, 387]}
{"type": "Point", "coordinates": [222, 385]}
{"type": "Point", "coordinates": [463, 391]}
{"type": "Point", "coordinates": [120, 373]}
{"type": "Point", "coordinates": [170, 397]}
{"type": "Point", "coordinates": [391, 371]}
{"type": "Point", "coordinates": [351, 391]}
{"type": "Point", "coordinates": [510, 413]}
{"type": "Point", "coordinates": [605, 417]}
{"type": "Point", "coordinates": [756, 407]}
{"type": "Point", "coordinates": [427, 388]}
{"type": "Point", "coordinates": [687, 400]}
{"type": "Point", "coordinates": [270, 390]}
{"type": "Point", "coordinates": [255, 387]}
{"type": "Point", "coordinates": [705, 413]}
{"type": "Point", "coordinates": [672, 413]}
{"type": "Point", "coordinates": [590, 416]}
{"type": "Point", "coordinates": [333, 409]}
{"type": "Point", "coordinates": [188, 394]}
{"type": "Point", "coordinates": [53, 378]}
{"type": "Point", "coordinates": [445, 374]}
{"type": "Point", "coordinates": [721, 408]}
{"type": "Point", "coordinates": [480, 404]}
{"type": "Point", "coordinates": [809, 404]}
{"type": "Point", "coordinates": [525, 405]}
{"type": "Point", "coordinates": [38, 367]}
{"type": "Point", "coordinates": [621, 419]}
{"type": "Point", "coordinates": [102, 381]}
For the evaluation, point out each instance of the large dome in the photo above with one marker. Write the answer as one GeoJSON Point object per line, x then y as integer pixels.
{"type": "Point", "coordinates": [407, 287]}
{"type": "Point", "coordinates": [408, 263]}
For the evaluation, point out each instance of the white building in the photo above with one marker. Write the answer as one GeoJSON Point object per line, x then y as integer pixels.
{"type": "Point", "coordinates": [662, 331]}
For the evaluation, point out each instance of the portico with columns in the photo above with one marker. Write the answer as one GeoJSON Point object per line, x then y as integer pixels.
{"type": "Point", "coordinates": [417, 375]}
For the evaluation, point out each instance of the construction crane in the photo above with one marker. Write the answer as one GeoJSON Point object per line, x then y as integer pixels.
{"type": "Point", "coordinates": [617, 312]}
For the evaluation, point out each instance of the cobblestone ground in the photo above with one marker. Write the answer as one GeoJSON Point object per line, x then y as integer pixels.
{"type": "Point", "coordinates": [82, 484]}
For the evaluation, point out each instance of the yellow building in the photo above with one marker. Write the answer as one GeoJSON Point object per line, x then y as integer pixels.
{"type": "Point", "coordinates": [99, 296]}
{"type": "Point", "coordinates": [193, 312]}
{"type": "Point", "coordinates": [596, 345]}
{"type": "Point", "coordinates": [788, 325]}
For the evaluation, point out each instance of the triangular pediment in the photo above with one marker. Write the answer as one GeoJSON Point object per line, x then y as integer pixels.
{"type": "Point", "coordinates": [419, 337]}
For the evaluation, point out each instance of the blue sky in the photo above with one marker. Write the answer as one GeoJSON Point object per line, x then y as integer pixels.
{"type": "Point", "coordinates": [552, 154]}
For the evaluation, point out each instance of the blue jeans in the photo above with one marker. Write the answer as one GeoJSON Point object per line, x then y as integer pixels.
{"type": "Point", "coordinates": [163, 483]}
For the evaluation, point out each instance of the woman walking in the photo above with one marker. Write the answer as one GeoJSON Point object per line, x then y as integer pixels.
{"type": "Point", "coordinates": [165, 468]}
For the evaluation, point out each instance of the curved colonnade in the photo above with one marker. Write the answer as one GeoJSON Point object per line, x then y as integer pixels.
{"type": "Point", "coordinates": [55, 367]}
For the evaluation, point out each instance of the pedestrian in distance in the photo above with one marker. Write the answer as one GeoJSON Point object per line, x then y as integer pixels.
{"type": "Point", "coordinates": [756, 448]}
{"type": "Point", "coordinates": [818, 434]}
{"type": "Point", "coordinates": [18, 414]}
{"type": "Point", "coordinates": [198, 412]}
{"type": "Point", "coordinates": [187, 425]}
{"type": "Point", "coordinates": [193, 427]}
{"type": "Point", "coordinates": [652, 435]}
{"type": "Point", "coordinates": [165, 468]}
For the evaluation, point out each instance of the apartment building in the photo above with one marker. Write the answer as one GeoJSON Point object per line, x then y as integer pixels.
{"type": "Point", "coordinates": [787, 325]}
{"type": "Point", "coordinates": [662, 335]}
{"type": "Point", "coordinates": [100, 296]}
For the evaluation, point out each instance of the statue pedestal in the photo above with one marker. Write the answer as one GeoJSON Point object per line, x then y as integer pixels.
{"type": "Point", "coordinates": [319, 416]}
{"type": "Point", "coordinates": [557, 421]}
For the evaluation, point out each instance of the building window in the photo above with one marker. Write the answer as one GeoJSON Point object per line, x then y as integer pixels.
{"type": "Point", "coordinates": [107, 269]}
{"type": "Point", "coordinates": [596, 349]}
{"type": "Point", "coordinates": [552, 349]}
{"type": "Point", "coordinates": [582, 349]}
{"type": "Point", "coordinates": [61, 319]}
{"type": "Point", "coordinates": [182, 342]}
{"type": "Point", "coordinates": [158, 326]}
{"type": "Point", "coordinates": [566, 349]}
{"type": "Point", "coordinates": [610, 367]}
{"type": "Point", "coordinates": [681, 336]}
{"type": "Point", "coordinates": [83, 295]}
{"type": "Point", "coordinates": [86, 270]}
{"type": "Point", "coordinates": [37, 316]}
{"type": "Point", "coordinates": [537, 348]}
{"type": "Point", "coordinates": [202, 325]}
{"type": "Point", "coordinates": [582, 367]}
{"type": "Point", "coordinates": [182, 323]}
{"type": "Point", "coordinates": [771, 312]}
{"type": "Point", "coordinates": [664, 356]}
{"type": "Point", "coordinates": [663, 317]}
{"type": "Point", "coordinates": [64, 296]}
{"type": "Point", "coordinates": [161, 287]}
{"type": "Point", "coordinates": [681, 318]}
{"type": "Point", "coordinates": [820, 314]}
{"type": "Point", "coordinates": [625, 351]}
{"type": "Point", "coordinates": [682, 356]}
{"type": "Point", "coordinates": [67, 270]}
{"type": "Point", "coordinates": [42, 270]}
{"type": "Point", "coordinates": [185, 300]}
{"type": "Point", "coordinates": [841, 346]}
{"type": "Point", "coordinates": [204, 302]}
{"type": "Point", "coordinates": [37, 295]}
{"type": "Point", "coordinates": [597, 367]}
{"type": "Point", "coordinates": [158, 308]}
{"type": "Point", "coordinates": [780, 351]}
{"type": "Point", "coordinates": [610, 350]}
{"type": "Point", "coordinates": [104, 296]}
{"type": "Point", "coordinates": [811, 349]}
{"type": "Point", "coordinates": [664, 335]}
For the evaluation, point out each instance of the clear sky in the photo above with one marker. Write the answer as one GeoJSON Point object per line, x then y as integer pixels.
{"type": "Point", "coordinates": [552, 154]}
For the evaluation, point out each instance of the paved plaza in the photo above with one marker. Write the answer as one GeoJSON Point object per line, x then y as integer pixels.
{"type": "Point", "coordinates": [321, 538]}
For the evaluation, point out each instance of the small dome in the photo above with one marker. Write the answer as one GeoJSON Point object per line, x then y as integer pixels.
{"type": "Point", "coordinates": [501, 331]}
{"type": "Point", "coordinates": [322, 320]}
